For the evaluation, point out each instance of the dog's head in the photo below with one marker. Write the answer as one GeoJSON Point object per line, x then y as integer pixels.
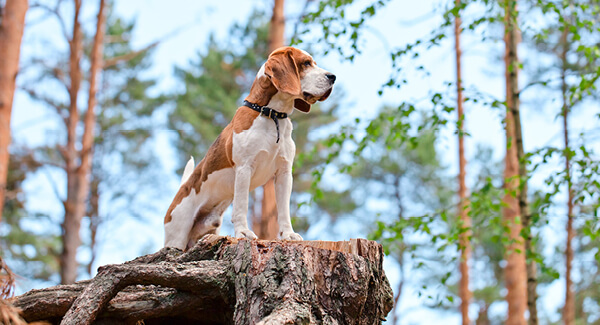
{"type": "Point", "coordinates": [294, 73]}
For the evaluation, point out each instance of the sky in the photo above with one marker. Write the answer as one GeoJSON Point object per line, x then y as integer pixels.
{"type": "Point", "coordinates": [398, 23]}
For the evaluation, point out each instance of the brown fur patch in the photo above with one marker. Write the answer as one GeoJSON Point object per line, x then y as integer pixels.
{"type": "Point", "coordinates": [261, 91]}
{"type": "Point", "coordinates": [218, 157]}
{"type": "Point", "coordinates": [286, 66]}
{"type": "Point", "coordinates": [243, 119]}
{"type": "Point", "coordinates": [283, 71]}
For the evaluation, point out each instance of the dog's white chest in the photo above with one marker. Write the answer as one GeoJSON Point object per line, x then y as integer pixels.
{"type": "Point", "coordinates": [258, 147]}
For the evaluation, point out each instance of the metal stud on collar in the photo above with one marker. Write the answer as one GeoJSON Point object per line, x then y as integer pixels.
{"type": "Point", "coordinates": [268, 112]}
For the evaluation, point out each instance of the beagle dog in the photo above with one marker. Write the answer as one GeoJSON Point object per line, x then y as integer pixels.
{"type": "Point", "coordinates": [256, 146]}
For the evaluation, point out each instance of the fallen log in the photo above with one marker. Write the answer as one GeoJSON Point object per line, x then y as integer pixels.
{"type": "Point", "coordinates": [224, 280]}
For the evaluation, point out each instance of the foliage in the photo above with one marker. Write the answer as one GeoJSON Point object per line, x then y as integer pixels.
{"type": "Point", "coordinates": [343, 35]}
{"type": "Point", "coordinates": [123, 151]}
{"type": "Point", "coordinates": [32, 253]}
{"type": "Point", "coordinates": [213, 85]}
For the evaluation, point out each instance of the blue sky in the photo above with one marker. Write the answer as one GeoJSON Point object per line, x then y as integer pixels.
{"type": "Point", "coordinates": [360, 80]}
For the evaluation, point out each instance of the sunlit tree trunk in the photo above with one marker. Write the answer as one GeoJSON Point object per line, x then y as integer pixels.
{"type": "Point", "coordinates": [401, 250]}
{"type": "Point", "coordinates": [94, 216]}
{"type": "Point", "coordinates": [515, 271]}
{"type": "Point", "coordinates": [73, 209]}
{"type": "Point", "coordinates": [265, 226]}
{"type": "Point", "coordinates": [12, 24]}
{"type": "Point", "coordinates": [78, 162]}
{"type": "Point", "coordinates": [513, 38]}
{"type": "Point", "coordinates": [569, 308]}
{"type": "Point", "coordinates": [465, 220]}
{"type": "Point", "coordinates": [87, 142]}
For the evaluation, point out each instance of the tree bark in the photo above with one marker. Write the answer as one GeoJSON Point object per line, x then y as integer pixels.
{"type": "Point", "coordinates": [84, 172]}
{"type": "Point", "coordinates": [569, 308]}
{"type": "Point", "coordinates": [224, 280]}
{"type": "Point", "coordinates": [515, 271]}
{"type": "Point", "coordinates": [464, 219]}
{"type": "Point", "coordinates": [266, 226]}
{"type": "Point", "coordinates": [513, 38]}
{"type": "Point", "coordinates": [277, 26]}
{"type": "Point", "coordinates": [78, 162]}
{"type": "Point", "coordinates": [74, 207]}
{"type": "Point", "coordinates": [11, 32]}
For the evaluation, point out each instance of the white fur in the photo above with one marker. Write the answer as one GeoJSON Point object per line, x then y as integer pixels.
{"type": "Point", "coordinates": [261, 71]}
{"type": "Point", "coordinates": [315, 81]}
{"type": "Point", "coordinates": [257, 158]}
{"type": "Point", "coordinates": [216, 193]}
{"type": "Point", "coordinates": [188, 170]}
{"type": "Point", "coordinates": [305, 53]}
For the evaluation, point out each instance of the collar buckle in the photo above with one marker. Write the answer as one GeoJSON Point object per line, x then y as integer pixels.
{"type": "Point", "coordinates": [268, 112]}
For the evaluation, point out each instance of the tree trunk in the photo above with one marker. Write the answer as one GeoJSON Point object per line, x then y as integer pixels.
{"type": "Point", "coordinates": [483, 318]}
{"type": "Point", "coordinates": [464, 219]}
{"type": "Point", "coordinates": [569, 308]}
{"type": "Point", "coordinates": [87, 142]}
{"type": "Point", "coordinates": [74, 207]}
{"type": "Point", "coordinates": [513, 38]}
{"type": "Point", "coordinates": [277, 26]}
{"type": "Point", "coordinates": [223, 280]}
{"type": "Point", "coordinates": [515, 271]}
{"type": "Point", "coordinates": [265, 226]}
{"type": "Point", "coordinates": [11, 32]}
{"type": "Point", "coordinates": [95, 221]}
{"type": "Point", "coordinates": [78, 162]}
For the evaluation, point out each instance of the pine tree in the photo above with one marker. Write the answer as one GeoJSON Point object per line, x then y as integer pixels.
{"type": "Point", "coordinates": [12, 24]}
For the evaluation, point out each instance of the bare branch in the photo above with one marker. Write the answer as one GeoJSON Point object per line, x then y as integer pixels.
{"type": "Point", "coordinates": [126, 57]}
{"type": "Point", "coordinates": [56, 13]}
{"type": "Point", "coordinates": [58, 106]}
{"type": "Point", "coordinates": [53, 185]}
{"type": "Point", "coordinates": [132, 55]}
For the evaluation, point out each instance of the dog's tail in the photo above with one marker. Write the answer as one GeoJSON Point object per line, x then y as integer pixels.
{"type": "Point", "coordinates": [189, 168]}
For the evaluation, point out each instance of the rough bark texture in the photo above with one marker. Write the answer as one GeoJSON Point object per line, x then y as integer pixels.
{"type": "Point", "coordinates": [569, 308]}
{"type": "Point", "coordinates": [223, 280]}
{"type": "Point", "coordinates": [11, 32]}
{"type": "Point", "coordinates": [265, 226]}
{"type": "Point", "coordinates": [465, 220]}
{"type": "Point", "coordinates": [515, 272]}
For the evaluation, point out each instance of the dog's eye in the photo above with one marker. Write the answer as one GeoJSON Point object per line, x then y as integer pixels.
{"type": "Point", "coordinates": [307, 63]}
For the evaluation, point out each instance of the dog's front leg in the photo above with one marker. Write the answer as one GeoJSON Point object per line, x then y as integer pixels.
{"type": "Point", "coordinates": [283, 191]}
{"type": "Point", "coordinates": [240, 202]}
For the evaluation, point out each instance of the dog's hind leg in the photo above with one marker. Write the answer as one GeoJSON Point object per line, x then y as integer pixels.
{"type": "Point", "coordinates": [207, 221]}
{"type": "Point", "coordinates": [182, 221]}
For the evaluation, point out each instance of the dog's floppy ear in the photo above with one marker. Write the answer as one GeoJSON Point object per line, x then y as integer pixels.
{"type": "Point", "coordinates": [283, 72]}
{"type": "Point", "coordinates": [301, 105]}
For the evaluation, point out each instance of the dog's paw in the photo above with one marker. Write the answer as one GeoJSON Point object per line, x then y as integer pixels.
{"type": "Point", "coordinates": [246, 233]}
{"type": "Point", "coordinates": [290, 235]}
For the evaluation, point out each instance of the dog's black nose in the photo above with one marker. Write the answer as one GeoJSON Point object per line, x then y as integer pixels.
{"type": "Point", "coordinates": [331, 77]}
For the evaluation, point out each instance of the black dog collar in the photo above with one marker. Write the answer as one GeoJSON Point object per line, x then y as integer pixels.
{"type": "Point", "coordinates": [268, 112]}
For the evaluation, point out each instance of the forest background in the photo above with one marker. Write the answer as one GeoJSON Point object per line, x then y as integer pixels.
{"type": "Point", "coordinates": [379, 159]}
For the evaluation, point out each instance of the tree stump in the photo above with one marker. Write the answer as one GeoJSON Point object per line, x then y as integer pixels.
{"type": "Point", "coordinates": [223, 280]}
